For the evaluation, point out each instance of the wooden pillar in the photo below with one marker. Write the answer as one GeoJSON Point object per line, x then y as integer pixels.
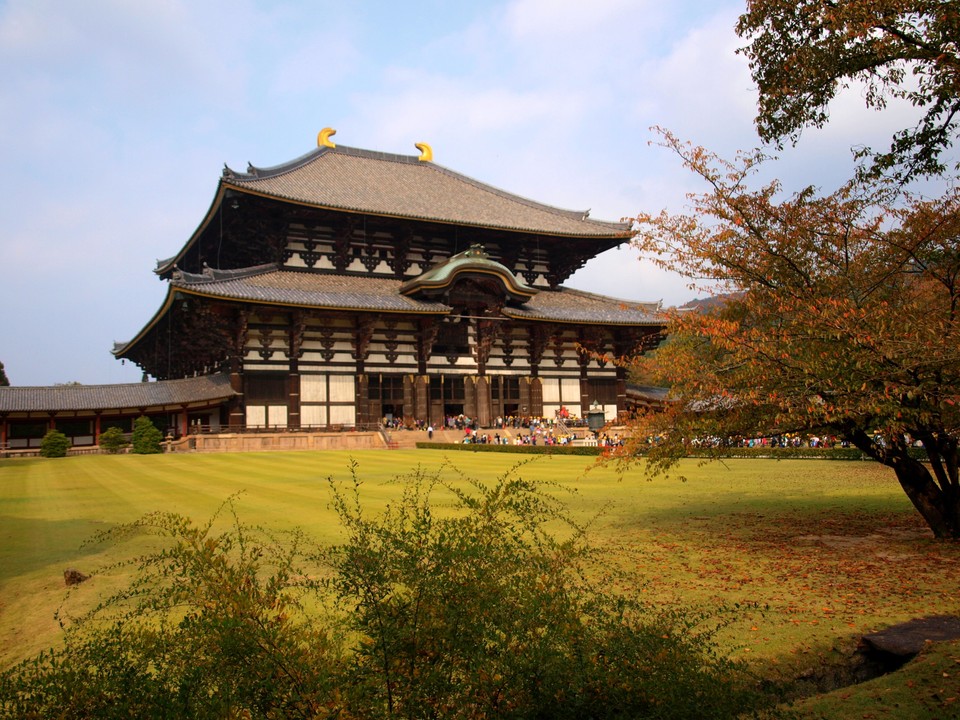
{"type": "Point", "coordinates": [184, 421]}
{"type": "Point", "coordinates": [362, 403]}
{"type": "Point", "coordinates": [237, 416]}
{"type": "Point", "coordinates": [470, 408]}
{"type": "Point", "coordinates": [96, 427]}
{"type": "Point", "coordinates": [422, 398]}
{"type": "Point", "coordinates": [410, 399]}
{"type": "Point", "coordinates": [524, 409]}
{"type": "Point", "coordinates": [536, 397]}
{"type": "Point", "coordinates": [621, 391]}
{"type": "Point", "coordinates": [483, 401]}
{"type": "Point", "coordinates": [298, 324]}
{"type": "Point", "coordinates": [4, 432]}
{"type": "Point", "coordinates": [293, 397]}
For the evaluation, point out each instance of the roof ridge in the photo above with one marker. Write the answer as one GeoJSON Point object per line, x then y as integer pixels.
{"type": "Point", "coordinates": [259, 173]}
{"type": "Point", "coordinates": [210, 274]}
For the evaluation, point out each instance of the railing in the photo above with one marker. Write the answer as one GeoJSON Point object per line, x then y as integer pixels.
{"type": "Point", "coordinates": [333, 428]}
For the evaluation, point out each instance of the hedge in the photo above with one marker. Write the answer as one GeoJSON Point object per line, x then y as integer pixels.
{"type": "Point", "coordinates": [778, 453]}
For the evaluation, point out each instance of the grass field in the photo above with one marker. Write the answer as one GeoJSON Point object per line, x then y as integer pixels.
{"type": "Point", "coordinates": [831, 549]}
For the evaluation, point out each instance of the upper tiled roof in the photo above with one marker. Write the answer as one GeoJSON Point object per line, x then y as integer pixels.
{"type": "Point", "coordinates": [65, 398]}
{"type": "Point", "coordinates": [355, 180]}
{"type": "Point", "coordinates": [267, 284]}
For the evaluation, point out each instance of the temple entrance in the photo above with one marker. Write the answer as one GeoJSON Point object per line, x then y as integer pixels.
{"type": "Point", "coordinates": [505, 396]}
{"type": "Point", "coordinates": [385, 393]}
{"type": "Point", "coordinates": [391, 412]}
{"type": "Point", "coordinates": [448, 396]}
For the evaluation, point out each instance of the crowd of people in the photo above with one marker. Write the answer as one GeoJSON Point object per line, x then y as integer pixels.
{"type": "Point", "coordinates": [777, 441]}
{"type": "Point", "coordinates": [539, 430]}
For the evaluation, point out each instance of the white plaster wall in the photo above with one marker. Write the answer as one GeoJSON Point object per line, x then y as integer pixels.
{"type": "Point", "coordinates": [343, 415]}
{"type": "Point", "coordinates": [313, 388]}
{"type": "Point", "coordinates": [313, 415]}
{"type": "Point", "coordinates": [256, 415]}
{"type": "Point", "coordinates": [342, 389]}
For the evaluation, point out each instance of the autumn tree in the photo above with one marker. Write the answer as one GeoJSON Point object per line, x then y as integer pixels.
{"type": "Point", "coordinates": [841, 318]}
{"type": "Point", "coordinates": [802, 53]}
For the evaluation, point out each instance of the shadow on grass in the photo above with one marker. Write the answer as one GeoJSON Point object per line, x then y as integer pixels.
{"type": "Point", "coordinates": [30, 544]}
{"type": "Point", "coordinates": [20, 462]}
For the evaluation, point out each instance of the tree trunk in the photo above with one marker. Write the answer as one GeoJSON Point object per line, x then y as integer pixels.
{"type": "Point", "coordinates": [935, 506]}
{"type": "Point", "coordinates": [940, 509]}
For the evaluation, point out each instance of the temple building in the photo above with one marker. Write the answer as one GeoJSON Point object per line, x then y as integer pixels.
{"type": "Point", "coordinates": [348, 286]}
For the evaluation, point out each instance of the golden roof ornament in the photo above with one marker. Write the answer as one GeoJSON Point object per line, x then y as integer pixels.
{"type": "Point", "coordinates": [426, 152]}
{"type": "Point", "coordinates": [323, 138]}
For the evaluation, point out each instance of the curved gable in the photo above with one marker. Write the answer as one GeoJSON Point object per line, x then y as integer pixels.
{"type": "Point", "coordinates": [472, 263]}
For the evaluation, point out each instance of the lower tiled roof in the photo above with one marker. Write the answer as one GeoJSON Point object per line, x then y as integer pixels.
{"type": "Point", "coordinates": [576, 306]}
{"type": "Point", "coordinates": [270, 285]}
{"type": "Point", "coordinates": [304, 289]}
{"type": "Point", "coordinates": [66, 398]}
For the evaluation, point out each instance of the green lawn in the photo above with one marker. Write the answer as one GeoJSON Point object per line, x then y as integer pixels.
{"type": "Point", "coordinates": [831, 549]}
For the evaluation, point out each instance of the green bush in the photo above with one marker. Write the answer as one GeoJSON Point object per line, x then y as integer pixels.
{"type": "Point", "coordinates": [54, 444]}
{"type": "Point", "coordinates": [484, 610]}
{"type": "Point", "coordinates": [515, 449]}
{"type": "Point", "coordinates": [479, 610]}
{"type": "Point", "coordinates": [146, 437]}
{"type": "Point", "coordinates": [777, 453]}
{"type": "Point", "coordinates": [113, 440]}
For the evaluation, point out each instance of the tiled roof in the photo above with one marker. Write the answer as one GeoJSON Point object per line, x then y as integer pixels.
{"type": "Point", "coordinates": [647, 393]}
{"type": "Point", "coordinates": [66, 398]}
{"type": "Point", "coordinates": [267, 284]}
{"type": "Point", "coordinates": [355, 180]}
{"type": "Point", "coordinates": [576, 306]}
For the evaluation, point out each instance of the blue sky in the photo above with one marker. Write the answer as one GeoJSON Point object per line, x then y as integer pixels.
{"type": "Point", "coordinates": [117, 116]}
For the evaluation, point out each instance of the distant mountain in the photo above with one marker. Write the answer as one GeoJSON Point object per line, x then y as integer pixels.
{"type": "Point", "coordinates": [709, 303]}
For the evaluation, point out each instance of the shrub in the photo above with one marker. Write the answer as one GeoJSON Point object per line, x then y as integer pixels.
{"type": "Point", "coordinates": [484, 610]}
{"type": "Point", "coordinates": [212, 626]}
{"type": "Point", "coordinates": [113, 440]}
{"type": "Point", "coordinates": [146, 437]}
{"type": "Point", "coordinates": [54, 444]}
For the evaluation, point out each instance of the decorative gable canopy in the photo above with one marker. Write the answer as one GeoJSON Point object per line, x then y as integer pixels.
{"type": "Point", "coordinates": [437, 281]}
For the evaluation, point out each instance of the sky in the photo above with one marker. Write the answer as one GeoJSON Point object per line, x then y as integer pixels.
{"type": "Point", "coordinates": [117, 117]}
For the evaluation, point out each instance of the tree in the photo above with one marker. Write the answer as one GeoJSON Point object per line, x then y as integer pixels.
{"type": "Point", "coordinates": [803, 52]}
{"type": "Point", "coordinates": [4, 382]}
{"type": "Point", "coordinates": [146, 437]}
{"type": "Point", "coordinates": [841, 318]}
{"type": "Point", "coordinates": [54, 444]}
{"type": "Point", "coordinates": [113, 440]}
